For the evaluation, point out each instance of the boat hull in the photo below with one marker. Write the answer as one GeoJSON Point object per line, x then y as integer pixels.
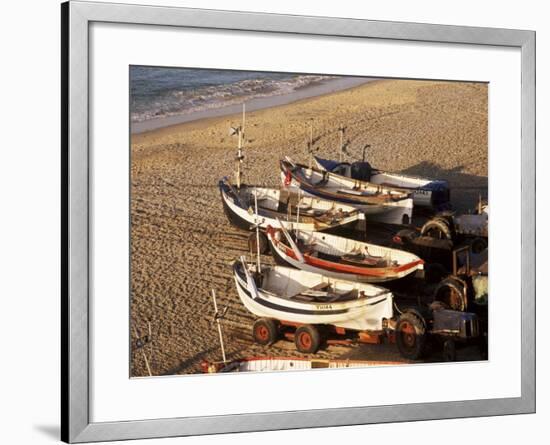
{"type": "Point", "coordinates": [395, 211]}
{"type": "Point", "coordinates": [285, 256]}
{"type": "Point", "coordinates": [361, 314]}
{"type": "Point", "coordinates": [426, 192]}
{"type": "Point", "coordinates": [246, 220]}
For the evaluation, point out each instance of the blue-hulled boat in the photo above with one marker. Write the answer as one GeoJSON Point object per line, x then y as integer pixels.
{"type": "Point", "coordinates": [426, 192]}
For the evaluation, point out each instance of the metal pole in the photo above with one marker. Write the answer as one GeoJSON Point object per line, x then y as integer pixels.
{"type": "Point", "coordinates": [298, 214]}
{"type": "Point", "coordinates": [219, 325]}
{"type": "Point", "coordinates": [240, 134]}
{"type": "Point", "coordinates": [147, 363]}
{"type": "Point", "coordinates": [239, 157]}
{"type": "Point", "coordinates": [257, 232]}
{"type": "Point", "coordinates": [144, 355]}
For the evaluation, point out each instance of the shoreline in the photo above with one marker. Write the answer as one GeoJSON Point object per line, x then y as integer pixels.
{"type": "Point", "coordinates": [323, 88]}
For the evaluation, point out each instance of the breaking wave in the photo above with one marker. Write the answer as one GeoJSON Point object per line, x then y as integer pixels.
{"type": "Point", "coordinates": [150, 103]}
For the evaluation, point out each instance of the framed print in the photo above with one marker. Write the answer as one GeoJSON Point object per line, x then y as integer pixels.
{"type": "Point", "coordinates": [270, 220]}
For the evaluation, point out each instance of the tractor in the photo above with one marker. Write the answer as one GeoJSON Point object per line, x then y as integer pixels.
{"type": "Point", "coordinates": [469, 228]}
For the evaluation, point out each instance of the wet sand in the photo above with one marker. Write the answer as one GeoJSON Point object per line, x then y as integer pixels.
{"type": "Point", "coordinates": [182, 245]}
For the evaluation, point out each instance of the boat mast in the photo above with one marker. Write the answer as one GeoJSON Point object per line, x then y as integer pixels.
{"type": "Point", "coordinates": [217, 317]}
{"type": "Point", "coordinates": [240, 157]}
{"type": "Point", "coordinates": [258, 265]}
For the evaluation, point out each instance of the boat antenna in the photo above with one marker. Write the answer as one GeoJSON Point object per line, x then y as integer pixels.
{"type": "Point", "coordinates": [256, 220]}
{"type": "Point", "coordinates": [342, 131]}
{"type": "Point", "coordinates": [218, 316]}
{"type": "Point", "coordinates": [239, 131]}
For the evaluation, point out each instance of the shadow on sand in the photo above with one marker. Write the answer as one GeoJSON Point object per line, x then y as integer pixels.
{"type": "Point", "coordinates": [189, 362]}
{"type": "Point", "coordinates": [465, 188]}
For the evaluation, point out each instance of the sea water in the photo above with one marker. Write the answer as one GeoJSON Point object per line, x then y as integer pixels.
{"type": "Point", "coordinates": [162, 96]}
{"type": "Point", "coordinates": [161, 92]}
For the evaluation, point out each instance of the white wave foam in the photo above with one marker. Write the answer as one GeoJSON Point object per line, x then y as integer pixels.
{"type": "Point", "coordinates": [182, 102]}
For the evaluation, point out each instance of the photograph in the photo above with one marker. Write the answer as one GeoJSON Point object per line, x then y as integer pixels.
{"type": "Point", "coordinates": [296, 221]}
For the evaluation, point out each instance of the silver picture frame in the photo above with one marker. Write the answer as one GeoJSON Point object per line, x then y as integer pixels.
{"type": "Point", "coordinates": [75, 396]}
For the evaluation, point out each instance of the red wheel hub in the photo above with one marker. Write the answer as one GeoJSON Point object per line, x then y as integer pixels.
{"type": "Point", "coordinates": [262, 333]}
{"type": "Point", "coordinates": [305, 340]}
{"type": "Point", "coordinates": [408, 333]}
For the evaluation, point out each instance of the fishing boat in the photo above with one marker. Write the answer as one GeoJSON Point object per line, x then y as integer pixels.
{"type": "Point", "coordinates": [426, 192]}
{"type": "Point", "coordinates": [379, 202]}
{"type": "Point", "coordinates": [295, 210]}
{"type": "Point", "coordinates": [298, 296]}
{"type": "Point", "coordinates": [339, 257]}
{"type": "Point", "coordinates": [270, 364]}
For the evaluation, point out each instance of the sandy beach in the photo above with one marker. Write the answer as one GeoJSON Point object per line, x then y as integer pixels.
{"type": "Point", "coordinates": [182, 246]}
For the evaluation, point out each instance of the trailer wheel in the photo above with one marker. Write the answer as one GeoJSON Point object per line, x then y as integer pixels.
{"type": "Point", "coordinates": [264, 245]}
{"type": "Point", "coordinates": [307, 339]}
{"type": "Point", "coordinates": [410, 335]}
{"type": "Point", "coordinates": [452, 292]}
{"type": "Point", "coordinates": [265, 331]}
{"type": "Point", "coordinates": [437, 228]}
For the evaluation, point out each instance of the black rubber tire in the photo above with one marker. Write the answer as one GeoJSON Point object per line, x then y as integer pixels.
{"type": "Point", "coordinates": [449, 351]}
{"type": "Point", "coordinates": [434, 272]}
{"type": "Point", "coordinates": [478, 245]}
{"type": "Point", "coordinates": [453, 293]}
{"type": "Point", "coordinates": [437, 228]}
{"type": "Point", "coordinates": [307, 339]}
{"type": "Point", "coordinates": [264, 244]}
{"type": "Point", "coordinates": [265, 331]}
{"type": "Point", "coordinates": [411, 336]}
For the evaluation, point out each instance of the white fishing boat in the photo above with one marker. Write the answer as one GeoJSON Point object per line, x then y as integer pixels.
{"type": "Point", "coordinates": [341, 258]}
{"type": "Point", "coordinates": [302, 297]}
{"type": "Point", "coordinates": [379, 202]}
{"type": "Point", "coordinates": [426, 192]}
{"type": "Point", "coordinates": [295, 210]}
